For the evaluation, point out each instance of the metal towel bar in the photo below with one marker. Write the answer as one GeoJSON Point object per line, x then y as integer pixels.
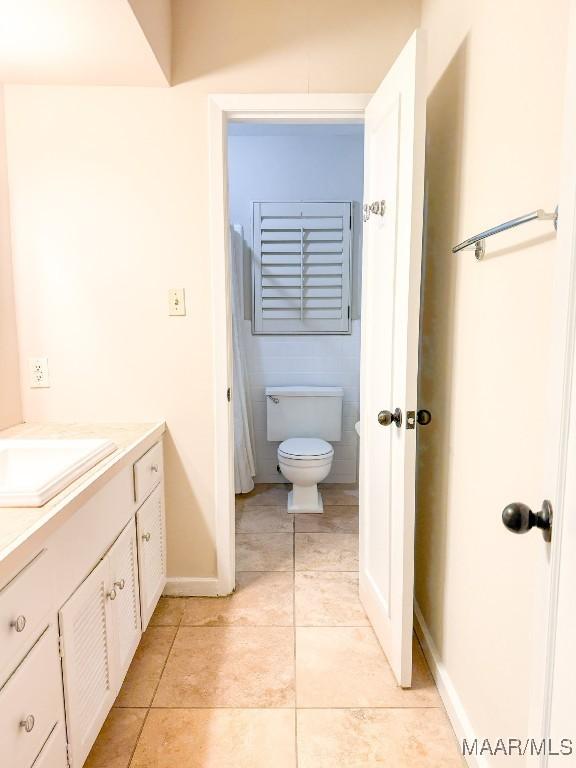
{"type": "Point", "coordinates": [477, 244]}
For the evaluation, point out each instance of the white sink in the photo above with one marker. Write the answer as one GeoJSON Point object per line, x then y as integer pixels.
{"type": "Point", "coordinates": [33, 471]}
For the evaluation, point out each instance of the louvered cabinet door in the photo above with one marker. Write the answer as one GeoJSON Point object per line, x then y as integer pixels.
{"type": "Point", "coordinates": [151, 552]}
{"type": "Point", "coordinates": [87, 661]}
{"type": "Point", "coordinates": [123, 581]}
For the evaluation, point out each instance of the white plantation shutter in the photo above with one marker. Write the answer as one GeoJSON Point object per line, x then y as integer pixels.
{"type": "Point", "coordinates": [302, 260]}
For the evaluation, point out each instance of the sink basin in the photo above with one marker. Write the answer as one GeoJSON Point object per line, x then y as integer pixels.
{"type": "Point", "coordinates": [34, 471]}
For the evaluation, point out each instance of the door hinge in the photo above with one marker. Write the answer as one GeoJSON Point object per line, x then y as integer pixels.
{"type": "Point", "coordinates": [348, 311]}
{"type": "Point", "coordinates": [68, 753]}
{"type": "Point", "coordinates": [228, 394]}
{"type": "Point", "coordinates": [61, 646]}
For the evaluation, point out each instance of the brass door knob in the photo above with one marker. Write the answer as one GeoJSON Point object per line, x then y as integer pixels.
{"type": "Point", "coordinates": [385, 418]}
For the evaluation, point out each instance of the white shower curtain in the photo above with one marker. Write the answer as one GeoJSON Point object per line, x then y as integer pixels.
{"type": "Point", "coordinates": [244, 465]}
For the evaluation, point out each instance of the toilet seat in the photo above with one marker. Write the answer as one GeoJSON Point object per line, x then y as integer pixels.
{"type": "Point", "coordinates": [307, 449]}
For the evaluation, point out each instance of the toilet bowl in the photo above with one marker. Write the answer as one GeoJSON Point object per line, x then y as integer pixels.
{"type": "Point", "coordinates": [305, 462]}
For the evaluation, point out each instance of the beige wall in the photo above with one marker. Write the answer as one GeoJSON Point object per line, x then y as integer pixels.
{"type": "Point", "coordinates": [109, 189]}
{"type": "Point", "coordinates": [10, 405]}
{"type": "Point", "coordinates": [496, 75]}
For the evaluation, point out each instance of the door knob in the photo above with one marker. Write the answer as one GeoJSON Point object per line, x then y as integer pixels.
{"type": "Point", "coordinates": [386, 418]}
{"type": "Point", "coordinates": [423, 417]}
{"type": "Point", "coordinates": [519, 518]}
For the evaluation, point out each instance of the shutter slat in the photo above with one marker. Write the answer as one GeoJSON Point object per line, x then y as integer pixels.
{"type": "Point", "coordinates": [310, 246]}
{"type": "Point", "coordinates": [294, 314]}
{"type": "Point", "coordinates": [293, 282]}
{"type": "Point", "coordinates": [310, 259]}
{"type": "Point", "coordinates": [292, 237]}
{"type": "Point", "coordinates": [291, 293]}
{"type": "Point", "coordinates": [288, 270]}
{"type": "Point", "coordinates": [316, 223]}
{"type": "Point", "coordinates": [284, 303]}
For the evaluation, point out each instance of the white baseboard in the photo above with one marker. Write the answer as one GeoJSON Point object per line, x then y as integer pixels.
{"type": "Point", "coordinates": [454, 707]}
{"type": "Point", "coordinates": [183, 586]}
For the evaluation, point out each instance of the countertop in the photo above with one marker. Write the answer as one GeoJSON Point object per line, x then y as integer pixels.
{"type": "Point", "coordinates": [19, 525]}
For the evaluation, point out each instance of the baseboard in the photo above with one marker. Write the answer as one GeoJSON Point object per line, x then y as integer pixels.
{"type": "Point", "coordinates": [183, 586]}
{"type": "Point", "coordinates": [454, 707]}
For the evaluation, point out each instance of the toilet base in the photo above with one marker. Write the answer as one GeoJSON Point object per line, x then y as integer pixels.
{"type": "Point", "coordinates": [305, 499]}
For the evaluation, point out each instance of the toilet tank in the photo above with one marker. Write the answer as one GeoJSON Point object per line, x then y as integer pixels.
{"type": "Point", "coordinates": [304, 412]}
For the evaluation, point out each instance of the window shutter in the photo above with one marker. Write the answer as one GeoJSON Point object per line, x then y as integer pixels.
{"type": "Point", "coordinates": [301, 275]}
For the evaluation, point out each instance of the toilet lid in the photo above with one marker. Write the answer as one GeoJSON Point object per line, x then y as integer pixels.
{"type": "Point", "coordinates": [305, 447]}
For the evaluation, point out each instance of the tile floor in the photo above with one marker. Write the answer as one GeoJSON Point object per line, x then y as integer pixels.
{"type": "Point", "coordinates": [286, 672]}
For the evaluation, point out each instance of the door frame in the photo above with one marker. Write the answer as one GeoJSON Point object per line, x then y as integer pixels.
{"type": "Point", "coordinates": [264, 107]}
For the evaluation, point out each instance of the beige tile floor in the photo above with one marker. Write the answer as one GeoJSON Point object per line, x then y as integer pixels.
{"type": "Point", "coordinates": [285, 673]}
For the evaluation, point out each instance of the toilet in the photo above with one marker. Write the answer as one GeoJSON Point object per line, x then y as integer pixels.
{"type": "Point", "coordinates": [304, 419]}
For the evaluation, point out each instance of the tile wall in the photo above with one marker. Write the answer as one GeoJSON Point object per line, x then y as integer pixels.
{"type": "Point", "coordinates": [331, 361]}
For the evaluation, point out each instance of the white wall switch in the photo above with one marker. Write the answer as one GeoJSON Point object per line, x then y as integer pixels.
{"type": "Point", "coordinates": [176, 301]}
{"type": "Point", "coordinates": [39, 376]}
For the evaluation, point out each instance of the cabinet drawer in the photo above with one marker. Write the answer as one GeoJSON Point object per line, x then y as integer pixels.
{"type": "Point", "coordinates": [31, 703]}
{"type": "Point", "coordinates": [148, 471]}
{"type": "Point", "coordinates": [24, 604]}
{"type": "Point", "coordinates": [53, 753]}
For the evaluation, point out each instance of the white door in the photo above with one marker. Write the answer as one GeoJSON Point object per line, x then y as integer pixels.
{"type": "Point", "coordinates": [87, 661]}
{"type": "Point", "coordinates": [151, 552]}
{"type": "Point", "coordinates": [126, 604]}
{"type": "Point", "coordinates": [560, 671]}
{"type": "Point", "coordinates": [393, 186]}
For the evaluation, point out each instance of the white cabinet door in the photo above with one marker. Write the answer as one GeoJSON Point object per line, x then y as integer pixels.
{"type": "Point", "coordinates": [151, 552]}
{"type": "Point", "coordinates": [126, 603]}
{"type": "Point", "coordinates": [88, 668]}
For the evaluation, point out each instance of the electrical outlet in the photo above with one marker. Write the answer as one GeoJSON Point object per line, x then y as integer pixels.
{"type": "Point", "coordinates": [176, 301]}
{"type": "Point", "coordinates": [39, 376]}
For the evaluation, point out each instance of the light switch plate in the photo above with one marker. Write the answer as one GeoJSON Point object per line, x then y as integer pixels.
{"type": "Point", "coordinates": [39, 376]}
{"type": "Point", "coordinates": [176, 301]}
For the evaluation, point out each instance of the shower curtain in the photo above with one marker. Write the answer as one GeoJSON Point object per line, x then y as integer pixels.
{"type": "Point", "coordinates": [244, 465]}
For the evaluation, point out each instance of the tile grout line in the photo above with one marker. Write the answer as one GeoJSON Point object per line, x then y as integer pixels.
{"type": "Point", "coordinates": [154, 693]}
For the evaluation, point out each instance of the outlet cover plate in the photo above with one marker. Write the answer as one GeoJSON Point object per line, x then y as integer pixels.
{"type": "Point", "coordinates": [39, 376]}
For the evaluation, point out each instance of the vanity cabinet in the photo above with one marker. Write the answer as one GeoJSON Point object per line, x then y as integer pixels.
{"type": "Point", "coordinates": [72, 616]}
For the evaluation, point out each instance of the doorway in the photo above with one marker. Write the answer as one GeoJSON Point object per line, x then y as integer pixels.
{"type": "Point", "coordinates": [249, 109]}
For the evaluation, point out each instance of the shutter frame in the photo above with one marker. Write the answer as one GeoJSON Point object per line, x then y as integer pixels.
{"type": "Point", "coordinates": [302, 268]}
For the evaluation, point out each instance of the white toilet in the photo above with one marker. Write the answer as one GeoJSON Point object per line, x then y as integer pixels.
{"type": "Point", "coordinates": [304, 419]}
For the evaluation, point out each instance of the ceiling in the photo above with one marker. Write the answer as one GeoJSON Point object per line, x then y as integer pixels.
{"type": "Point", "coordinates": [85, 42]}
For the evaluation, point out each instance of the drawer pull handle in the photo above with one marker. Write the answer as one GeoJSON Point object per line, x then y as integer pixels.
{"type": "Point", "coordinates": [112, 594]}
{"type": "Point", "coordinates": [19, 623]}
{"type": "Point", "coordinates": [154, 468]}
{"type": "Point", "coordinates": [28, 723]}
{"type": "Point", "coordinates": [145, 537]}
{"type": "Point", "coordinates": [120, 584]}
